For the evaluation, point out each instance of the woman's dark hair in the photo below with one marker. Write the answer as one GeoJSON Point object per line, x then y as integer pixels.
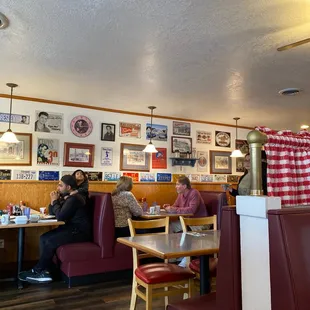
{"type": "Point", "coordinates": [84, 174]}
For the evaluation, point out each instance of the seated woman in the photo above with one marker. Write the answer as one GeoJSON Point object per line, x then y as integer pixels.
{"type": "Point", "coordinates": [82, 183]}
{"type": "Point", "coordinates": [125, 206]}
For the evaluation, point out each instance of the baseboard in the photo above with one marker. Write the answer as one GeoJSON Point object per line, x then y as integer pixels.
{"type": "Point", "coordinates": [99, 277]}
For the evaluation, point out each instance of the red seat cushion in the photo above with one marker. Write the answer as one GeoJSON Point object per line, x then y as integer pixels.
{"type": "Point", "coordinates": [195, 266]}
{"type": "Point", "coordinates": [161, 273]}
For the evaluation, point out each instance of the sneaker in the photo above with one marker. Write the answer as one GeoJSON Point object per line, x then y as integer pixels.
{"type": "Point", "coordinates": [24, 274]}
{"type": "Point", "coordinates": [39, 277]}
{"type": "Point", "coordinates": [182, 263]}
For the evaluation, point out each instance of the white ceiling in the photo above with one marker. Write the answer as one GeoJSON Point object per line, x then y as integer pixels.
{"type": "Point", "coordinates": [208, 60]}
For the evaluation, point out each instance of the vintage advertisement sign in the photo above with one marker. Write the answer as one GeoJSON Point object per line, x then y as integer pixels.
{"type": "Point", "coordinates": [24, 175]}
{"type": "Point", "coordinates": [156, 132]}
{"type": "Point", "coordinates": [133, 175]}
{"type": "Point", "coordinates": [164, 177]}
{"type": "Point", "coordinates": [48, 152]}
{"type": "Point", "coordinates": [112, 176]}
{"type": "Point", "coordinates": [147, 177]}
{"type": "Point", "coordinates": [222, 139]}
{"type": "Point", "coordinates": [15, 118]}
{"type": "Point", "coordinates": [106, 156]}
{"type": "Point", "coordinates": [5, 174]}
{"type": "Point", "coordinates": [206, 178]}
{"type": "Point", "coordinates": [49, 122]}
{"type": "Point", "coordinates": [181, 128]}
{"type": "Point", "coordinates": [48, 175]}
{"type": "Point", "coordinates": [130, 130]}
{"type": "Point", "coordinates": [204, 137]}
{"type": "Point", "coordinates": [94, 175]}
{"type": "Point", "coordinates": [202, 162]}
{"type": "Point", "coordinates": [159, 159]}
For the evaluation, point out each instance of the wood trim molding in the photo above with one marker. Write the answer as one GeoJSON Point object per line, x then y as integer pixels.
{"type": "Point", "coordinates": [84, 106]}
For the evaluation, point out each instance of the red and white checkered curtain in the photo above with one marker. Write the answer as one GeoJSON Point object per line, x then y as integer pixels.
{"type": "Point", "coordinates": [288, 172]}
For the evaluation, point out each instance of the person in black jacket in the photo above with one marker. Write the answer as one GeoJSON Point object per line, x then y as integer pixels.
{"type": "Point", "coordinates": [72, 210]}
{"type": "Point", "coordinates": [244, 184]}
{"type": "Point", "coordinates": [82, 183]}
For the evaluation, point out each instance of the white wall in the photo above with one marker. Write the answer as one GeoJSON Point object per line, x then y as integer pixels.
{"type": "Point", "coordinates": [98, 117]}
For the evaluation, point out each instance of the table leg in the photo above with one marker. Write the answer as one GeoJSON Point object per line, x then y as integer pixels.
{"type": "Point", "coordinates": [204, 275]}
{"type": "Point", "coordinates": [20, 254]}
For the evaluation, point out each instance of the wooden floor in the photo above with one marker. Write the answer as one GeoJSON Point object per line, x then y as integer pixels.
{"type": "Point", "coordinates": [109, 295]}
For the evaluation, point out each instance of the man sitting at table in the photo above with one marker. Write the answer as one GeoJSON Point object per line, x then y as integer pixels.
{"type": "Point", "coordinates": [72, 210]}
{"type": "Point", "coordinates": [189, 201]}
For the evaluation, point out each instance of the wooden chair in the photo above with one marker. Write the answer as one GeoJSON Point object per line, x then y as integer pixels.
{"type": "Point", "coordinates": [194, 265]}
{"type": "Point", "coordinates": [158, 279]}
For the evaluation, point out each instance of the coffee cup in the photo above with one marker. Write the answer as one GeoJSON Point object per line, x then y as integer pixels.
{"type": "Point", "coordinates": [26, 212]}
{"type": "Point", "coordinates": [152, 210]}
{"type": "Point", "coordinates": [157, 209]}
{"type": "Point", "coordinates": [42, 210]}
{"type": "Point", "coordinates": [34, 218]}
{"type": "Point", "coordinates": [5, 219]}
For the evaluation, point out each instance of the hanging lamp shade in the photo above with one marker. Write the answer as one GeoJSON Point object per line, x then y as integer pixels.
{"type": "Point", "coordinates": [9, 136]}
{"type": "Point", "coordinates": [236, 153]}
{"type": "Point", "coordinates": [150, 148]}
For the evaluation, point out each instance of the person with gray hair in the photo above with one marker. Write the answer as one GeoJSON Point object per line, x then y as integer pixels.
{"type": "Point", "coordinates": [73, 211]}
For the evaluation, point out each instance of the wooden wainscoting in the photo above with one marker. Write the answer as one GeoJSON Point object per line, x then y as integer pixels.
{"type": "Point", "coordinates": [36, 194]}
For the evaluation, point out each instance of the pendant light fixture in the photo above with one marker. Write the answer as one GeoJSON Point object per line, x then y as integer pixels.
{"type": "Point", "coordinates": [9, 135]}
{"type": "Point", "coordinates": [150, 148]}
{"type": "Point", "coordinates": [236, 153]}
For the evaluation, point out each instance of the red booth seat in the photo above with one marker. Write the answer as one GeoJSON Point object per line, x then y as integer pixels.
{"type": "Point", "coordinates": [102, 255]}
{"type": "Point", "coordinates": [228, 281]}
{"type": "Point", "coordinates": [289, 238]}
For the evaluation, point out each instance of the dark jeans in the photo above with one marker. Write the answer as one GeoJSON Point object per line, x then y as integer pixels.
{"type": "Point", "coordinates": [122, 232]}
{"type": "Point", "coordinates": [50, 241]}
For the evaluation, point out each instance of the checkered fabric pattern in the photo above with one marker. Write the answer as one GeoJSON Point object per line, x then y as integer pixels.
{"type": "Point", "coordinates": [288, 172]}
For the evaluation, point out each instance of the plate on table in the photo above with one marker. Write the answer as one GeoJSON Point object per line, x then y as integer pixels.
{"type": "Point", "coordinates": [48, 217]}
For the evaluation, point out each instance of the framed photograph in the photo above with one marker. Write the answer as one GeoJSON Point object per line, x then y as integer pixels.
{"type": "Point", "coordinates": [79, 155]}
{"type": "Point", "coordinates": [243, 146]}
{"type": "Point", "coordinates": [222, 139]}
{"type": "Point", "coordinates": [240, 164]}
{"type": "Point", "coordinates": [48, 152]}
{"type": "Point", "coordinates": [49, 122]}
{"type": "Point", "coordinates": [17, 154]}
{"type": "Point", "coordinates": [182, 145]}
{"type": "Point", "coordinates": [130, 130]}
{"type": "Point", "coordinates": [181, 128]}
{"type": "Point", "coordinates": [220, 162]}
{"type": "Point", "coordinates": [157, 132]}
{"type": "Point", "coordinates": [107, 132]}
{"type": "Point", "coordinates": [81, 126]}
{"type": "Point", "coordinates": [133, 158]}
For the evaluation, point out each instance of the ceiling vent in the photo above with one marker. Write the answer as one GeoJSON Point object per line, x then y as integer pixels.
{"type": "Point", "coordinates": [4, 22]}
{"type": "Point", "coordinates": [290, 91]}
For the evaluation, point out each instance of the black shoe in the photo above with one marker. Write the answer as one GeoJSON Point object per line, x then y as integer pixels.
{"type": "Point", "coordinates": [24, 274]}
{"type": "Point", "coordinates": [39, 277]}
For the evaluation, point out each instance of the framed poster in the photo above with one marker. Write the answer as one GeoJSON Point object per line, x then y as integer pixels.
{"type": "Point", "coordinates": [107, 132]}
{"type": "Point", "coordinates": [243, 146]}
{"type": "Point", "coordinates": [158, 132]}
{"type": "Point", "coordinates": [133, 158]}
{"type": "Point", "coordinates": [94, 175]}
{"type": "Point", "coordinates": [17, 154]}
{"type": "Point", "coordinates": [181, 128]}
{"type": "Point", "coordinates": [220, 162]}
{"type": "Point", "coordinates": [206, 178]}
{"type": "Point", "coordinates": [48, 152]}
{"type": "Point", "coordinates": [159, 159]}
{"type": "Point", "coordinates": [182, 145]}
{"type": "Point", "coordinates": [147, 177]}
{"type": "Point", "coordinates": [220, 178]}
{"type": "Point", "coordinates": [79, 155]}
{"type": "Point", "coordinates": [202, 162]}
{"type": "Point", "coordinates": [106, 156]}
{"type": "Point", "coordinates": [5, 174]}
{"type": "Point", "coordinates": [48, 122]}
{"type": "Point", "coordinates": [130, 130]}
{"type": "Point", "coordinates": [240, 164]}
{"type": "Point", "coordinates": [222, 139]}
{"type": "Point", "coordinates": [204, 137]}
{"type": "Point", "coordinates": [81, 126]}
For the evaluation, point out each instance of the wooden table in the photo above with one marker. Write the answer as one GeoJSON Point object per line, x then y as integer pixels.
{"type": "Point", "coordinates": [21, 241]}
{"type": "Point", "coordinates": [179, 245]}
{"type": "Point", "coordinates": [148, 216]}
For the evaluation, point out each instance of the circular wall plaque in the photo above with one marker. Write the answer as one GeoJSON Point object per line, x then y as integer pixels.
{"type": "Point", "coordinates": [81, 126]}
{"type": "Point", "coordinates": [222, 138]}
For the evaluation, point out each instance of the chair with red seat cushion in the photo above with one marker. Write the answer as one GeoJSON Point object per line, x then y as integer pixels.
{"type": "Point", "coordinates": [170, 279]}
